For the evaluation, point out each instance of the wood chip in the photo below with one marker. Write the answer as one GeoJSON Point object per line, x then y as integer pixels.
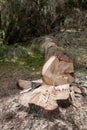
{"type": "Point", "coordinates": [76, 89]}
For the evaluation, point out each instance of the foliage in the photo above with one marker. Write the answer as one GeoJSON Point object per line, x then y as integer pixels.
{"type": "Point", "coordinates": [33, 62]}
{"type": "Point", "coordinates": [17, 56]}
{"type": "Point", "coordinates": [78, 3]}
{"type": "Point", "coordinates": [25, 19]}
{"type": "Point", "coordinates": [3, 50]}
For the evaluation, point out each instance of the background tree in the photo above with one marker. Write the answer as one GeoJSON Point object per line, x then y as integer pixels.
{"type": "Point", "coordinates": [25, 19]}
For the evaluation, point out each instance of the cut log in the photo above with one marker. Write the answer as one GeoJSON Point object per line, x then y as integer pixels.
{"type": "Point", "coordinates": [49, 47]}
{"type": "Point", "coordinates": [23, 84]}
{"type": "Point", "coordinates": [57, 71]}
{"type": "Point", "coordinates": [58, 80]}
{"type": "Point", "coordinates": [45, 96]}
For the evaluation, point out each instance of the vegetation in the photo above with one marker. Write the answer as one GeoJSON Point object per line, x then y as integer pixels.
{"type": "Point", "coordinates": [17, 57]}
{"type": "Point", "coordinates": [24, 20]}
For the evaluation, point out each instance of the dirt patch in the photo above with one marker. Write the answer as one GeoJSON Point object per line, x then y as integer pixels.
{"type": "Point", "coordinates": [8, 82]}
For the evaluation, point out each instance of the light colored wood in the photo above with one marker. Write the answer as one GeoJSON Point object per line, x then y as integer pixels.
{"type": "Point", "coordinates": [25, 91]}
{"type": "Point", "coordinates": [28, 85]}
{"type": "Point", "coordinates": [24, 84]}
{"type": "Point", "coordinates": [45, 96]}
{"type": "Point", "coordinates": [76, 89]}
{"type": "Point", "coordinates": [57, 71]}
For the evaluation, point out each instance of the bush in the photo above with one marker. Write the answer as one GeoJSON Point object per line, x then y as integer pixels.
{"type": "Point", "coordinates": [3, 50]}
{"type": "Point", "coordinates": [23, 19]}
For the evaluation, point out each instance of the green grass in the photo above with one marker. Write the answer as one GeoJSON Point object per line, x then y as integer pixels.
{"type": "Point", "coordinates": [33, 61]}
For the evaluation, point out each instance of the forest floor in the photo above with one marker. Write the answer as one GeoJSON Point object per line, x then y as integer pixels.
{"type": "Point", "coordinates": [13, 116]}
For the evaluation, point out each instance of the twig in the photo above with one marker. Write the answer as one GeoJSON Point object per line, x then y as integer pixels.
{"type": "Point", "coordinates": [25, 91]}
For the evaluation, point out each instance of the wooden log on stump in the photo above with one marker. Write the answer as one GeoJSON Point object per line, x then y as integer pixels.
{"type": "Point", "coordinates": [57, 76]}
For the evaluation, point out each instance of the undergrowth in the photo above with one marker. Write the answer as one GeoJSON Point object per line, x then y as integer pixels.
{"type": "Point", "coordinates": [15, 57]}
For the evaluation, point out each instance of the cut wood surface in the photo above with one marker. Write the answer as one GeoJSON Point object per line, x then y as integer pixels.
{"type": "Point", "coordinates": [24, 84]}
{"type": "Point", "coordinates": [57, 71]}
{"type": "Point", "coordinates": [45, 96]}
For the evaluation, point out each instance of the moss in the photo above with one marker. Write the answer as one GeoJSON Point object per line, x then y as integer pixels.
{"type": "Point", "coordinates": [32, 62]}
{"type": "Point", "coordinates": [3, 49]}
{"type": "Point", "coordinates": [35, 61]}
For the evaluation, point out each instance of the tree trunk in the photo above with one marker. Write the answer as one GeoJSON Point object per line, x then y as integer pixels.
{"type": "Point", "coordinates": [50, 47]}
